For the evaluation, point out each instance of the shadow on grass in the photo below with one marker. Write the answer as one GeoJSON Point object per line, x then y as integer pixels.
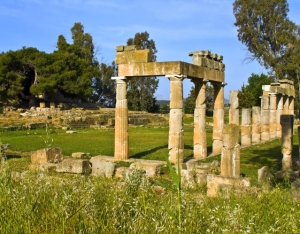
{"type": "Point", "coordinates": [11, 156]}
{"type": "Point", "coordinates": [271, 157]}
{"type": "Point", "coordinates": [147, 152]}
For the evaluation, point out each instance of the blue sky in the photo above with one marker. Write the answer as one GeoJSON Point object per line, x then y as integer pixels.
{"type": "Point", "coordinates": [177, 27]}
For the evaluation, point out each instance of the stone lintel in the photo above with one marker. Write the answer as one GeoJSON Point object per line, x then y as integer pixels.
{"type": "Point", "coordinates": [190, 71]}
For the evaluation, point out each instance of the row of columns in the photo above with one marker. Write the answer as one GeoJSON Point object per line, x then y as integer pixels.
{"type": "Point", "coordinates": [176, 132]}
{"type": "Point", "coordinates": [265, 119]}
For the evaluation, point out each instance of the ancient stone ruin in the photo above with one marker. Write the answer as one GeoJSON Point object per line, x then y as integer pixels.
{"type": "Point", "coordinates": [205, 67]}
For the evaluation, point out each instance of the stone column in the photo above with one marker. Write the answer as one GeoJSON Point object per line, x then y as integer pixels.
{"type": "Point", "coordinates": [265, 119]}
{"type": "Point", "coordinates": [246, 127]}
{"type": "Point", "coordinates": [230, 158]}
{"type": "Point", "coordinates": [278, 114]}
{"type": "Point", "coordinates": [121, 120]}
{"type": "Point", "coordinates": [234, 105]}
{"type": "Point", "coordinates": [176, 141]}
{"type": "Point", "coordinates": [286, 105]}
{"type": "Point", "coordinates": [200, 142]}
{"type": "Point", "coordinates": [256, 122]}
{"type": "Point", "coordinates": [218, 117]}
{"type": "Point", "coordinates": [287, 122]}
{"type": "Point", "coordinates": [273, 115]}
{"type": "Point", "coordinates": [291, 105]}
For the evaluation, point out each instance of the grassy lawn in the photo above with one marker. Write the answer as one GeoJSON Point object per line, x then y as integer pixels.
{"type": "Point", "coordinates": [144, 143]}
{"type": "Point", "coordinates": [64, 203]}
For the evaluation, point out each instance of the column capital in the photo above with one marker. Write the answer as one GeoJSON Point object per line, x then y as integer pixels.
{"type": "Point", "coordinates": [177, 76]}
{"type": "Point", "coordinates": [119, 78]}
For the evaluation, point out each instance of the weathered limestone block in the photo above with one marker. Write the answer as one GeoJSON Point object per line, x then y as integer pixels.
{"type": "Point", "coordinates": [213, 167]}
{"type": "Point", "coordinates": [256, 123]}
{"type": "Point", "coordinates": [234, 105]}
{"type": "Point", "coordinates": [193, 178]}
{"type": "Point", "coordinates": [76, 166]}
{"type": "Point", "coordinates": [121, 120]}
{"type": "Point", "coordinates": [230, 158]}
{"type": "Point", "coordinates": [265, 118]}
{"type": "Point", "coordinates": [233, 99]}
{"type": "Point", "coordinates": [151, 169]}
{"type": "Point", "coordinates": [218, 118]}
{"type": "Point", "coordinates": [42, 105]}
{"type": "Point", "coordinates": [102, 167]}
{"type": "Point", "coordinates": [47, 155]}
{"type": "Point", "coordinates": [265, 177]}
{"type": "Point", "coordinates": [296, 189]}
{"type": "Point", "coordinates": [79, 155]}
{"type": "Point", "coordinates": [287, 175]}
{"type": "Point", "coordinates": [132, 56]}
{"type": "Point", "coordinates": [287, 124]}
{"type": "Point", "coordinates": [45, 167]}
{"type": "Point", "coordinates": [200, 141]}
{"type": "Point", "coordinates": [246, 127]}
{"type": "Point", "coordinates": [121, 172]}
{"type": "Point", "coordinates": [215, 183]}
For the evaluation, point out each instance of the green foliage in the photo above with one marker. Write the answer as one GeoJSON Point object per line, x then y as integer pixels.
{"type": "Point", "coordinates": [189, 102]}
{"type": "Point", "coordinates": [270, 37]}
{"type": "Point", "coordinates": [249, 95]}
{"type": "Point", "coordinates": [141, 90]}
{"type": "Point", "coordinates": [72, 71]}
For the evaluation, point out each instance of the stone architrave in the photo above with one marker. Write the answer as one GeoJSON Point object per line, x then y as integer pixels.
{"type": "Point", "coordinates": [256, 122]}
{"type": "Point", "coordinates": [287, 124]}
{"type": "Point", "coordinates": [121, 120]}
{"type": "Point", "coordinates": [273, 115]}
{"type": "Point", "coordinates": [234, 107]}
{"type": "Point", "coordinates": [230, 158]}
{"type": "Point", "coordinates": [218, 117]}
{"type": "Point", "coordinates": [246, 127]}
{"type": "Point", "coordinates": [200, 141]}
{"type": "Point", "coordinates": [265, 118]}
{"type": "Point", "coordinates": [279, 112]}
{"type": "Point", "coordinates": [176, 141]}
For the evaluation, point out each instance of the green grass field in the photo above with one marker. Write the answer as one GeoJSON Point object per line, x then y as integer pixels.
{"type": "Point", "coordinates": [64, 203]}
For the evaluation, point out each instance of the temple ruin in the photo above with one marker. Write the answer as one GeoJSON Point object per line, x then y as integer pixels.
{"type": "Point", "coordinates": [205, 67]}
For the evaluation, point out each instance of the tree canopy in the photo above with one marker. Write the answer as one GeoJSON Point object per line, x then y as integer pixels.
{"type": "Point", "coordinates": [249, 95]}
{"type": "Point", "coordinates": [270, 37]}
{"type": "Point", "coordinates": [141, 90]}
{"type": "Point", "coordinates": [189, 102]}
{"type": "Point", "coordinates": [72, 72]}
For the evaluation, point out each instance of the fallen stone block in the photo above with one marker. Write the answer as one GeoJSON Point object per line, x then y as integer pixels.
{"type": "Point", "coordinates": [215, 182]}
{"type": "Point", "coordinates": [193, 178]}
{"type": "Point", "coordinates": [45, 167]}
{"type": "Point", "coordinates": [121, 172]}
{"type": "Point", "coordinates": [102, 167]}
{"type": "Point", "coordinates": [47, 155]}
{"type": "Point", "coordinates": [79, 155]}
{"type": "Point", "coordinates": [288, 175]}
{"type": "Point", "coordinates": [76, 166]}
{"type": "Point", "coordinates": [296, 189]}
{"type": "Point", "coordinates": [152, 169]}
{"type": "Point", "coordinates": [71, 132]}
{"type": "Point", "coordinates": [265, 177]}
